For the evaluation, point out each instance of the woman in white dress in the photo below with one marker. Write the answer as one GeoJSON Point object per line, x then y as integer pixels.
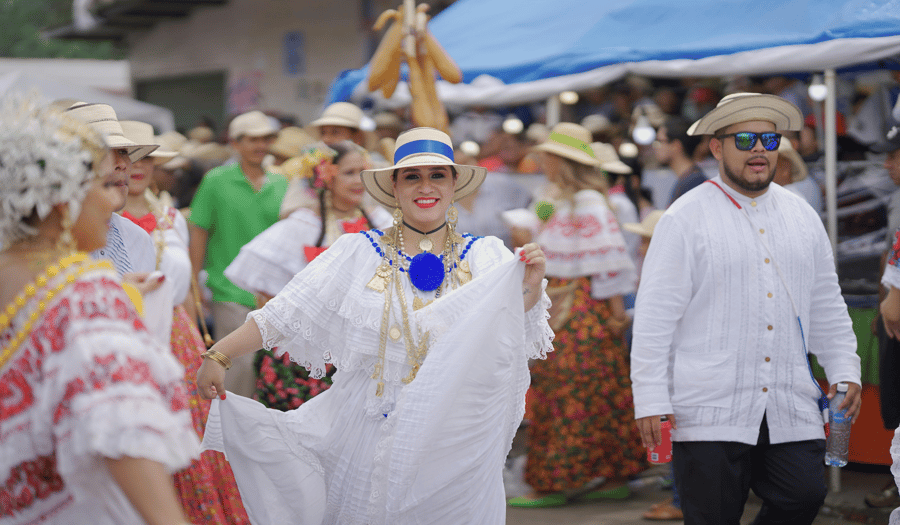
{"type": "Point", "coordinates": [430, 331]}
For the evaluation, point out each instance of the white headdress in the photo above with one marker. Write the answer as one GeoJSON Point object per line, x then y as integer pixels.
{"type": "Point", "coordinates": [46, 158]}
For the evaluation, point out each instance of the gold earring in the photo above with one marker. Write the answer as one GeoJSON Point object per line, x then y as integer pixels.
{"type": "Point", "coordinates": [66, 243]}
{"type": "Point", "coordinates": [452, 216]}
{"type": "Point", "coordinates": [398, 217]}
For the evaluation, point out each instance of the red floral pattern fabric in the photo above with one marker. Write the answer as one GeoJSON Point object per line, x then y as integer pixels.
{"type": "Point", "coordinates": [580, 405]}
{"type": "Point", "coordinates": [207, 489]}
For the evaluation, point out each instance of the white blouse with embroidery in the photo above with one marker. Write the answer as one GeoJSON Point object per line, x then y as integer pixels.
{"type": "Point", "coordinates": [586, 241]}
{"type": "Point", "coordinates": [89, 382]}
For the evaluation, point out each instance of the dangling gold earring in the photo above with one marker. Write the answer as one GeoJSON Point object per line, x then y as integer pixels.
{"type": "Point", "coordinates": [452, 217]}
{"type": "Point", "coordinates": [65, 243]}
{"type": "Point", "coordinates": [398, 217]}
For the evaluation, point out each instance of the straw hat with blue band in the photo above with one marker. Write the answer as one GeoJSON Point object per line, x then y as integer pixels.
{"type": "Point", "coordinates": [421, 147]}
{"type": "Point", "coordinates": [570, 141]}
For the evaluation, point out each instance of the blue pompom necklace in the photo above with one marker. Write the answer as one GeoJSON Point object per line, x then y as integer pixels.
{"type": "Point", "coordinates": [426, 270]}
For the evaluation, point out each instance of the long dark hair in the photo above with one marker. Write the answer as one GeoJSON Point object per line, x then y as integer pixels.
{"type": "Point", "coordinates": [341, 148]}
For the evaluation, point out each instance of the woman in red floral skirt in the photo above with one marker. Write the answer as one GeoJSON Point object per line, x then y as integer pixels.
{"type": "Point", "coordinates": [582, 435]}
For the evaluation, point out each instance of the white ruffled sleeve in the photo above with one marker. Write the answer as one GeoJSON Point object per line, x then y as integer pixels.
{"type": "Point", "coordinates": [268, 262]}
{"type": "Point", "coordinates": [113, 391]}
{"type": "Point", "coordinates": [490, 252]}
{"type": "Point", "coordinates": [176, 263]}
{"type": "Point", "coordinates": [326, 314]}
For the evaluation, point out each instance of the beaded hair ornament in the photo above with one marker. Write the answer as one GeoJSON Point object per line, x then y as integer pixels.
{"type": "Point", "coordinates": [46, 158]}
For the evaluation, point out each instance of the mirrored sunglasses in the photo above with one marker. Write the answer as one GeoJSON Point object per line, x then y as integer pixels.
{"type": "Point", "coordinates": [745, 140]}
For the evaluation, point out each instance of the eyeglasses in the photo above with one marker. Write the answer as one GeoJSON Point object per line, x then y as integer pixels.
{"type": "Point", "coordinates": [745, 140]}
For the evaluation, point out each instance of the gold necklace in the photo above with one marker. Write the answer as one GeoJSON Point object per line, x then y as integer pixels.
{"type": "Point", "coordinates": [80, 264]}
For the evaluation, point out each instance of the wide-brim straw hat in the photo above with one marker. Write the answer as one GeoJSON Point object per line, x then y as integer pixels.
{"type": "Point", "coordinates": [421, 147]}
{"type": "Point", "coordinates": [609, 159]}
{"type": "Point", "coordinates": [645, 227]}
{"type": "Point", "coordinates": [290, 142]}
{"type": "Point", "coordinates": [745, 107]}
{"type": "Point", "coordinates": [102, 118]}
{"type": "Point", "coordinates": [799, 171]}
{"type": "Point", "coordinates": [142, 133]}
{"type": "Point", "coordinates": [570, 141]}
{"type": "Point", "coordinates": [340, 114]}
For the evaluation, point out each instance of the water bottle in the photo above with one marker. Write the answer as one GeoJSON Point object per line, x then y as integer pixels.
{"type": "Point", "coordinates": [839, 430]}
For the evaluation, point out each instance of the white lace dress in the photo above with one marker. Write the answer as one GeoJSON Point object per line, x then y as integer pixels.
{"type": "Point", "coordinates": [430, 451]}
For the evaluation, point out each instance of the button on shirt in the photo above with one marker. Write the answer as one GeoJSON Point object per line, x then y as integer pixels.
{"type": "Point", "coordinates": [716, 341]}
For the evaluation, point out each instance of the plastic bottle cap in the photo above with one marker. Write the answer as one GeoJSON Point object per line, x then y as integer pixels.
{"type": "Point", "coordinates": [842, 387]}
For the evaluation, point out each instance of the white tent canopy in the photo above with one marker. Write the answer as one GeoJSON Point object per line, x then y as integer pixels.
{"type": "Point", "coordinates": [49, 90]}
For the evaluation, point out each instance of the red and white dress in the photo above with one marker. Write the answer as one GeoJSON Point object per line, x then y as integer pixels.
{"type": "Point", "coordinates": [88, 382]}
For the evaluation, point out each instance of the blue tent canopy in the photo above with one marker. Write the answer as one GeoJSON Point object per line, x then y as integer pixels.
{"type": "Point", "coordinates": [531, 50]}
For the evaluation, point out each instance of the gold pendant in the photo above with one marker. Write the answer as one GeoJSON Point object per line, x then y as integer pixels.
{"type": "Point", "coordinates": [463, 272]}
{"type": "Point", "coordinates": [418, 303]}
{"type": "Point", "coordinates": [381, 278]}
{"type": "Point", "coordinates": [395, 333]}
{"type": "Point", "coordinates": [425, 244]}
{"type": "Point", "coordinates": [379, 390]}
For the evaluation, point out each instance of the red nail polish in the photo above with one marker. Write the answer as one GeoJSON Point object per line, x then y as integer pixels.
{"type": "Point", "coordinates": [161, 278]}
{"type": "Point", "coordinates": [222, 397]}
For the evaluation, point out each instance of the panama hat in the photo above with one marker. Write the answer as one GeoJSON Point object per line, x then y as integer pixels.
{"type": "Point", "coordinates": [290, 142]}
{"type": "Point", "coordinates": [609, 159]}
{"type": "Point", "coordinates": [251, 124]}
{"type": "Point", "coordinates": [102, 118]}
{"type": "Point", "coordinates": [645, 227]}
{"type": "Point", "coordinates": [421, 147]}
{"type": "Point", "coordinates": [799, 171]}
{"type": "Point", "coordinates": [142, 133]}
{"type": "Point", "coordinates": [744, 107]}
{"type": "Point", "coordinates": [340, 114]}
{"type": "Point", "coordinates": [570, 141]}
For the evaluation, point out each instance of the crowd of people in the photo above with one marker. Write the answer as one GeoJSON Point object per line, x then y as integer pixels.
{"type": "Point", "coordinates": [339, 325]}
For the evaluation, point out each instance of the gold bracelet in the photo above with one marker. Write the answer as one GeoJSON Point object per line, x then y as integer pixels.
{"type": "Point", "coordinates": [218, 357]}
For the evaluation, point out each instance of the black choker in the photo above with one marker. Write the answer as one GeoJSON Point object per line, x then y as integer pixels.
{"type": "Point", "coordinates": [425, 244]}
{"type": "Point", "coordinates": [420, 232]}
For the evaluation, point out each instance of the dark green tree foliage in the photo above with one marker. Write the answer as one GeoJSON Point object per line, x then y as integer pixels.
{"type": "Point", "coordinates": [21, 23]}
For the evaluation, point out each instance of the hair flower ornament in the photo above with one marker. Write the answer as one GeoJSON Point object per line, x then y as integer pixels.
{"type": "Point", "coordinates": [324, 173]}
{"type": "Point", "coordinates": [46, 159]}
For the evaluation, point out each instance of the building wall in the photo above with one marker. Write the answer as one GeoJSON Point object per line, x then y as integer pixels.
{"type": "Point", "coordinates": [245, 39]}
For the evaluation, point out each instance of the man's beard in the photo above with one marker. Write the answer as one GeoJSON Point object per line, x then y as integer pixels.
{"type": "Point", "coordinates": [747, 185]}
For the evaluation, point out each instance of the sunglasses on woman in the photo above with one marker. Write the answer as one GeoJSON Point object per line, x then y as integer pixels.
{"type": "Point", "coordinates": [745, 140]}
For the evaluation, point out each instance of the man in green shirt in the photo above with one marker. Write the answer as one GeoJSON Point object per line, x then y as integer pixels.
{"type": "Point", "coordinates": [233, 204]}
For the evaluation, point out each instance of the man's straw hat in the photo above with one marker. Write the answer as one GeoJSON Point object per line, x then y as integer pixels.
{"type": "Point", "coordinates": [570, 141]}
{"type": "Point", "coordinates": [645, 227]}
{"type": "Point", "coordinates": [290, 142]}
{"type": "Point", "coordinates": [142, 133]}
{"type": "Point", "coordinates": [609, 159]}
{"type": "Point", "coordinates": [102, 118]}
{"type": "Point", "coordinates": [340, 114]}
{"type": "Point", "coordinates": [744, 107]}
{"type": "Point", "coordinates": [251, 124]}
{"type": "Point", "coordinates": [421, 147]}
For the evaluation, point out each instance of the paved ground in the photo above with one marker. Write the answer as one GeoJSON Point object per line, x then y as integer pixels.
{"type": "Point", "coordinates": [840, 508]}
